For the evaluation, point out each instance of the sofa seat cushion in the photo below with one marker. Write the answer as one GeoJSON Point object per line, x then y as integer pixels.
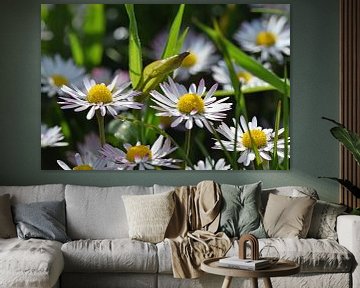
{"type": "Point", "coordinates": [115, 255]}
{"type": "Point", "coordinates": [30, 263]}
{"type": "Point", "coordinates": [313, 255]}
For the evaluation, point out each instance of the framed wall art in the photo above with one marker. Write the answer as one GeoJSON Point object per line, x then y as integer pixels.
{"type": "Point", "coordinates": [165, 87]}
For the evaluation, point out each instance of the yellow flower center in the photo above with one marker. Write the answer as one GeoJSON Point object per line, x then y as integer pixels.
{"type": "Point", "coordinates": [83, 167]}
{"type": "Point", "coordinates": [190, 102]}
{"type": "Point", "coordinates": [244, 76]}
{"type": "Point", "coordinates": [99, 93]}
{"type": "Point", "coordinates": [140, 151]}
{"type": "Point", "coordinates": [59, 80]}
{"type": "Point", "coordinates": [189, 60]}
{"type": "Point", "coordinates": [266, 38]}
{"type": "Point", "coordinates": [258, 136]}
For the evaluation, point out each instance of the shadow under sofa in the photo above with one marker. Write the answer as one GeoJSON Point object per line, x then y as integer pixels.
{"type": "Point", "coordinates": [101, 254]}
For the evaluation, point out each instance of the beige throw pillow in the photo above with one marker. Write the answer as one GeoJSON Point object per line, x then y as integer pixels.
{"type": "Point", "coordinates": [288, 217]}
{"type": "Point", "coordinates": [148, 215]}
{"type": "Point", "coordinates": [7, 226]}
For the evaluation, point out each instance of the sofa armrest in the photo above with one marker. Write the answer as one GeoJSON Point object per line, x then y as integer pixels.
{"type": "Point", "coordinates": [348, 230]}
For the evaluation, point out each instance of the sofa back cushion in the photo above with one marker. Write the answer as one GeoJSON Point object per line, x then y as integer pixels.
{"type": "Point", "coordinates": [35, 193]}
{"type": "Point", "coordinates": [98, 212]}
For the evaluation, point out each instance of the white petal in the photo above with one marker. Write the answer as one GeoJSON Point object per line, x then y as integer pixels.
{"type": "Point", "coordinates": [91, 113]}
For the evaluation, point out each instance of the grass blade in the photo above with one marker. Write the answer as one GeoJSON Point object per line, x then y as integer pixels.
{"type": "Point", "coordinates": [76, 49]}
{"type": "Point", "coordinates": [172, 41]}
{"type": "Point", "coordinates": [135, 56]}
{"type": "Point", "coordinates": [286, 123]}
{"type": "Point", "coordinates": [94, 29]}
{"type": "Point", "coordinates": [181, 40]}
{"type": "Point", "coordinates": [248, 63]}
{"type": "Point", "coordinates": [276, 137]}
{"type": "Point", "coordinates": [247, 90]}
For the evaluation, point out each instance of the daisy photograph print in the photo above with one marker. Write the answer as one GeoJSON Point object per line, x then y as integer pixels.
{"type": "Point", "coordinates": [165, 87]}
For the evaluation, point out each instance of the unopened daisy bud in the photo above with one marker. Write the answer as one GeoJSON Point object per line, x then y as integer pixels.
{"type": "Point", "coordinates": [164, 66]}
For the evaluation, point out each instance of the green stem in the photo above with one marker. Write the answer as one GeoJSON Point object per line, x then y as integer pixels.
{"type": "Point", "coordinates": [187, 142]}
{"type": "Point", "coordinates": [101, 125]}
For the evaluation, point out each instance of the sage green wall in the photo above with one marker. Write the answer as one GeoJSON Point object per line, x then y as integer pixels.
{"type": "Point", "coordinates": [314, 70]}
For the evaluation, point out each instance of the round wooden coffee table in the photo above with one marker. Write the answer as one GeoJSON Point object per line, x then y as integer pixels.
{"type": "Point", "coordinates": [281, 268]}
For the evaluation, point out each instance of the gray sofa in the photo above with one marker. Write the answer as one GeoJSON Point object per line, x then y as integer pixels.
{"type": "Point", "coordinates": [101, 255]}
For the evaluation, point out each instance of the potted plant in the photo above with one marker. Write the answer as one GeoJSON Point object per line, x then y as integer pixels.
{"type": "Point", "coordinates": [351, 141]}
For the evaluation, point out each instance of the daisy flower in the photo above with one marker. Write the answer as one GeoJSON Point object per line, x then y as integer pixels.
{"type": "Point", "coordinates": [84, 164]}
{"type": "Point", "coordinates": [211, 164]}
{"type": "Point", "coordinates": [221, 75]}
{"type": "Point", "coordinates": [193, 105]}
{"type": "Point", "coordinates": [263, 140]}
{"type": "Point", "coordinates": [100, 97]}
{"type": "Point", "coordinates": [88, 150]}
{"type": "Point", "coordinates": [269, 36]}
{"type": "Point", "coordinates": [51, 137]}
{"type": "Point", "coordinates": [142, 157]}
{"type": "Point", "coordinates": [56, 72]}
{"type": "Point", "coordinates": [201, 58]}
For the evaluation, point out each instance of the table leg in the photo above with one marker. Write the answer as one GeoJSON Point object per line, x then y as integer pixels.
{"type": "Point", "coordinates": [267, 283]}
{"type": "Point", "coordinates": [254, 282]}
{"type": "Point", "coordinates": [227, 282]}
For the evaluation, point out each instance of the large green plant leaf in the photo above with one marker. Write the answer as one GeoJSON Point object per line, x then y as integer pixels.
{"type": "Point", "coordinates": [247, 62]}
{"type": "Point", "coordinates": [348, 138]}
{"type": "Point", "coordinates": [135, 55]}
{"type": "Point", "coordinates": [347, 184]}
{"type": "Point", "coordinates": [172, 41]}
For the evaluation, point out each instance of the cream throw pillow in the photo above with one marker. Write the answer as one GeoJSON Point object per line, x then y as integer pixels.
{"type": "Point", "coordinates": [149, 215]}
{"type": "Point", "coordinates": [288, 217]}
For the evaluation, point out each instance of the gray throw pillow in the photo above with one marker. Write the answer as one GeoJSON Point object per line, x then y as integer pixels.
{"type": "Point", "coordinates": [43, 220]}
{"type": "Point", "coordinates": [240, 213]}
{"type": "Point", "coordinates": [323, 222]}
{"type": "Point", "coordinates": [7, 227]}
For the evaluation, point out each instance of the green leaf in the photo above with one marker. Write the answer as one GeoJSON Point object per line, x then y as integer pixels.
{"type": "Point", "coordinates": [347, 184]}
{"type": "Point", "coordinates": [348, 138]}
{"type": "Point", "coordinates": [181, 40]}
{"type": "Point", "coordinates": [172, 41]}
{"type": "Point", "coordinates": [244, 90]}
{"type": "Point", "coordinates": [286, 117]}
{"type": "Point", "coordinates": [248, 63]}
{"type": "Point", "coordinates": [276, 137]}
{"type": "Point", "coordinates": [76, 49]}
{"type": "Point", "coordinates": [94, 29]}
{"type": "Point", "coordinates": [135, 56]}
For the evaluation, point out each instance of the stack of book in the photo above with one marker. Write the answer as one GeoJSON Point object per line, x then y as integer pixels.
{"type": "Point", "coordinates": [248, 264]}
